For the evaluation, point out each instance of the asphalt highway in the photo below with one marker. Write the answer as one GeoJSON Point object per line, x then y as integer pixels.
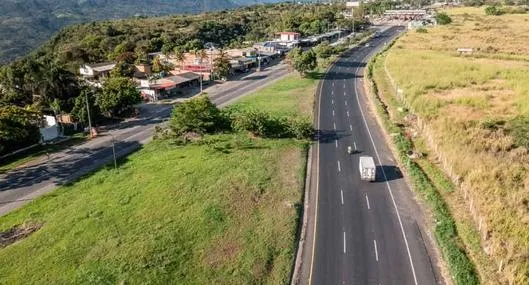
{"type": "Point", "coordinates": [365, 232]}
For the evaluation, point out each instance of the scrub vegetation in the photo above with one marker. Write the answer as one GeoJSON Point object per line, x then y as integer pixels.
{"type": "Point", "coordinates": [220, 210]}
{"type": "Point", "coordinates": [472, 120]}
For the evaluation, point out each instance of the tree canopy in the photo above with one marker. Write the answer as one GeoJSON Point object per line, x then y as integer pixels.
{"type": "Point", "coordinates": [117, 96]}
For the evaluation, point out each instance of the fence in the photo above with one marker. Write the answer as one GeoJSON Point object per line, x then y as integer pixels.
{"type": "Point", "coordinates": [447, 167]}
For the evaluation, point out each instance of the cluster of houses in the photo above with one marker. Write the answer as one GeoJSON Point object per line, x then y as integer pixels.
{"type": "Point", "coordinates": [197, 68]}
{"type": "Point", "coordinates": [194, 69]}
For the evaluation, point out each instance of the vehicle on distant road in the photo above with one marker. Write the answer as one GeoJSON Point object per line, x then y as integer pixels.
{"type": "Point", "coordinates": [367, 168]}
{"type": "Point", "coordinates": [367, 45]}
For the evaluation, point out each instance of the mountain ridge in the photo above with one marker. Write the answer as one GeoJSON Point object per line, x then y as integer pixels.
{"type": "Point", "coordinates": [26, 24]}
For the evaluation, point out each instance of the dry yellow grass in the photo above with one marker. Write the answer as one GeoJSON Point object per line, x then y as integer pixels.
{"type": "Point", "coordinates": [472, 105]}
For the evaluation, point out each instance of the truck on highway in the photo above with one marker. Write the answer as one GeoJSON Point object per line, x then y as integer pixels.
{"type": "Point", "coordinates": [367, 168]}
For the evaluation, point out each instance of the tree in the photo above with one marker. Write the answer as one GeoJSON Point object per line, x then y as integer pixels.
{"type": "Point", "coordinates": [301, 61]}
{"type": "Point", "coordinates": [180, 56]}
{"type": "Point", "coordinates": [158, 66]}
{"type": "Point", "coordinates": [324, 50]}
{"type": "Point", "coordinates": [198, 115]}
{"type": "Point", "coordinates": [79, 109]}
{"type": "Point", "coordinates": [19, 127]}
{"type": "Point", "coordinates": [443, 19]}
{"type": "Point", "coordinates": [119, 94]}
{"type": "Point", "coordinates": [222, 65]}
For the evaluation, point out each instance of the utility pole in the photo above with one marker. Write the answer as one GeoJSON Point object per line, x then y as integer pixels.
{"type": "Point", "coordinates": [201, 82]}
{"type": "Point", "coordinates": [114, 151]}
{"type": "Point", "coordinates": [88, 113]}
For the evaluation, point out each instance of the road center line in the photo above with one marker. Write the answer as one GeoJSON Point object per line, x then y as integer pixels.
{"type": "Point", "coordinates": [332, 92]}
{"type": "Point", "coordinates": [376, 250]}
{"type": "Point", "coordinates": [336, 142]}
{"type": "Point", "coordinates": [347, 113]}
{"type": "Point", "coordinates": [367, 201]}
{"type": "Point", "coordinates": [354, 143]}
{"type": "Point", "coordinates": [339, 168]}
{"type": "Point", "coordinates": [344, 249]}
{"type": "Point", "coordinates": [334, 125]}
{"type": "Point", "coordinates": [345, 102]}
{"type": "Point", "coordinates": [341, 194]}
{"type": "Point", "coordinates": [333, 113]}
{"type": "Point", "coordinates": [332, 101]}
{"type": "Point", "coordinates": [351, 127]}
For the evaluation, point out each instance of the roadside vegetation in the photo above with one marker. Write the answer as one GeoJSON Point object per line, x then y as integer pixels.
{"type": "Point", "coordinates": [46, 81]}
{"type": "Point", "coordinates": [469, 116]}
{"type": "Point", "coordinates": [222, 208]}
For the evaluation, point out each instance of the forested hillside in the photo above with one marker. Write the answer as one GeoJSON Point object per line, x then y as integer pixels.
{"type": "Point", "coordinates": [46, 79]}
{"type": "Point", "coordinates": [25, 24]}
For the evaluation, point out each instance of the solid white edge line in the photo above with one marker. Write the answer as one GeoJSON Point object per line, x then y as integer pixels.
{"type": "Point", "coordinates": [387, 184]}
{"type": "Point", "coordinates": [341, 194]}
{"type": "Point", "coordinates": [317, 183]}
{"type": "Point", "coordinates": [367, 201]}
{"type": "Point", "coordinates": [376, 250]}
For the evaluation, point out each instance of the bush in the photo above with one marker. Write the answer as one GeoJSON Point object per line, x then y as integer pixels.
{"type": "Point", "coordinates": [421, 30]}
{"type": "Point", "coordinates": [493, 11]}
{"type": "Point", "coordinates": [443, 19]}
{"type": "Point", "coordinates": [300, 128]}
{"type": "Point", "coordinates": [197, 115]}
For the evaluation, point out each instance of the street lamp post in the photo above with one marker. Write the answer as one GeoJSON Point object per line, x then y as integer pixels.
{"type": "Point", "coordinates": [88, 114]}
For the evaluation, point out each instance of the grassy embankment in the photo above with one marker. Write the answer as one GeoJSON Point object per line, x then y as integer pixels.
{"type": "Point", "coordinates": [224, 211]}
{"type": "Point", "coordinates": [475, 114]}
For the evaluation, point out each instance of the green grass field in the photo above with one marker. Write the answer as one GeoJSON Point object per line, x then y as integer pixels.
{"type": "Point", "coordinates": [476, 108]}
{"type": "Point", "coordinates": [222, 211]}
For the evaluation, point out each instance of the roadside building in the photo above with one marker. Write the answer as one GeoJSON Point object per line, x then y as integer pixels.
{"type": "Point", "coordinates": [154, 89]}
{"type": "Point", "coordinates": [96, 71]}
{"type": "Point", "coordinates": [289, 36]}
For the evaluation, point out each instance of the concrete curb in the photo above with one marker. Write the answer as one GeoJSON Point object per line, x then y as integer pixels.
{"type": "Point", "coordinates": [303, 235]}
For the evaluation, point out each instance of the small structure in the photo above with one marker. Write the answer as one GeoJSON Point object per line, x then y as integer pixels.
{"type": "Point", "coordinates": [96, 71]}
{"type": "Point", "coordinates": [288, 36]}
{"type": "Point", "coordinates": [465, 51]}
{"type": "Point", "coordinates": [154, 89]}
{"type": "Point", "coordinates": [50, 130]}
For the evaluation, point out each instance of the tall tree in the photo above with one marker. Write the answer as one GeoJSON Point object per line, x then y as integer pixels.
{"type": "Point", "coordinates": [221, 65]}
{"type": "Point", "coordinates": [179, 54]}
{"type": "Point", "coordinates": [119, 95]}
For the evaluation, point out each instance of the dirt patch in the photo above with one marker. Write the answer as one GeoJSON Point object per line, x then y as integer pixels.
{"type": "Point", "coordinates": [222, 252]}
{"type": "Point", "coordinates": [17, 233]}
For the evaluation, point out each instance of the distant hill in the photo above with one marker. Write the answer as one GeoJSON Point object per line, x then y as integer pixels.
{"type": "Point", "coordinates": [26, 24]}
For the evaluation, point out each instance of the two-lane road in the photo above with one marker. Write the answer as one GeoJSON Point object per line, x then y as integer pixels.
{"type": "Point", "coordinates": [365, 233]}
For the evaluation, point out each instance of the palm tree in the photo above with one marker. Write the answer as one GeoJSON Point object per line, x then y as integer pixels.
{"type": "Point", "coordinates": [179, 55]}
{"type": "Point", "coordinates": [202, 54]}
{"type": "Point", "coordinates": [222, 64]}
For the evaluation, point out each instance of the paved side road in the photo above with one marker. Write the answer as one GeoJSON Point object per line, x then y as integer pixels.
{"type": "Point", "coordinates": [19, 186]}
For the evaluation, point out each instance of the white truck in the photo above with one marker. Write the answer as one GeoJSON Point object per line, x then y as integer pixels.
{"type": "Point", "coordinates": [367, 168]}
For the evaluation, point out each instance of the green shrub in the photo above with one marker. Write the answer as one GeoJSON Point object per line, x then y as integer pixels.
{"type": "Point", "coordinates": [443, 19]}
{"type": "Point", "coordinates": [198, 115]}
{"type": "Point", "coordinates": [493, 11]}
{"type": "Point", "coordinates": [421, 30]}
